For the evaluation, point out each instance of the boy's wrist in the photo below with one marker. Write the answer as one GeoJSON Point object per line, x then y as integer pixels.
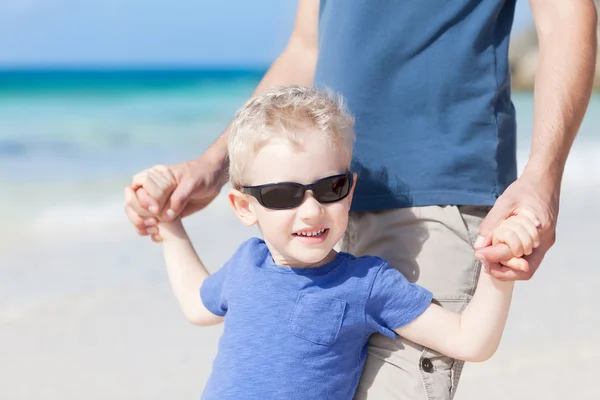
{"type": "Point", "coordinates": [497, 283]}
{"type": "Point", "coordinates": [174, 229]}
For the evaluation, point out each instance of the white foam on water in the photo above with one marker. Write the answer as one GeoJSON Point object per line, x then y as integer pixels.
{"type": "Point", "coordinates": [80, 213]}
{"type": "Point", "coordinates": [106, 215]}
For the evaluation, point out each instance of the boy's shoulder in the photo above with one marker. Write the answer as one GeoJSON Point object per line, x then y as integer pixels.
{"type": "Point", "coordinates": [365, 266]}
{"type": "Point", "coordinates": [253, 251]}
{"type": "Point", "coordinates": [251, 244]}
{"type": "Point", "coordinates": [364, 261]}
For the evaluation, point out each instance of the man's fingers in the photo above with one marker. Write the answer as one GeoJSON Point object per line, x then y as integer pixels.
{"type": "Point", "coordinates": [137, 221]}
{"type": "Point", "coordinates": [143, 226]}
{"type": "Point", "coordinates": [153, 188]}
{"type": "Point", "coordinates": [504, 273]}
{"type": "Point", "coordinates": [132, 201]}
{"type": "Point", "coordinates": [140, 200]}
{"type": "Point", "coordinates": [140, 222]}
{"type": "Point", "coordinates": [496, 253]}
{"type": "Point", "coordinates": [147, 201]}
{"type": "Point", "coordinates": [482, 241]}
{"type": "Point", "coordinates": [166, 183]}
{"type": "Point", "coordinates": [177, 201]}
{"type": "Point", "coordinates": [517, 264]}
{"type": "Point", "coordinates": [139, 226]}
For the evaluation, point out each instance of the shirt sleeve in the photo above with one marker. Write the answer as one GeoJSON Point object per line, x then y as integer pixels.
{"type": "Point", "coordinates": [394, 301]}
{"type": "Point", "coordinates": [213, 293]}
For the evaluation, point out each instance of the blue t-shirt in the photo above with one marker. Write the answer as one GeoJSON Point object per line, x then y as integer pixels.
{"type": "Point", "coordinates": [429, 84]}
{"type": "Point", "coordinates": [301, 333]}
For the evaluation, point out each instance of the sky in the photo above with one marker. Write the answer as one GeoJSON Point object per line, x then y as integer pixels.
{"type": "Point", "coordinates": [150, 32]}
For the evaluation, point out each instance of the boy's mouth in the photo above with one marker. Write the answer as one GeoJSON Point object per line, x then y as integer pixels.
{"type": "Point", "coordinates": [311, 233]}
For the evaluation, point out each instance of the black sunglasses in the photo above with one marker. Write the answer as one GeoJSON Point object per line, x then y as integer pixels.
{"type": "Point", "coordinates": [286, 195]}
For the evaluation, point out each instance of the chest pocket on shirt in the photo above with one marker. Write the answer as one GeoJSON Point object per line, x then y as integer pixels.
{"type": "Point", "coordinates": [317, 319]}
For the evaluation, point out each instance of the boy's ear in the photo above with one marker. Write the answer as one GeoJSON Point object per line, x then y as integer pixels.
{"type": "Point", "coordinates": [242, 207]}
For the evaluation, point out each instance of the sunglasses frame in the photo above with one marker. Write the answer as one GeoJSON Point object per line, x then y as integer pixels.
{"type": "Point", "coordinates": [255, 191]}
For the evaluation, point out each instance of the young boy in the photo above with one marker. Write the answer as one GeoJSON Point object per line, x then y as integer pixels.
{"type": "Point", "coordinates": [297, 313]}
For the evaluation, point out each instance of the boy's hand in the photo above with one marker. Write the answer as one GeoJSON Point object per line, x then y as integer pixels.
{"type": "Point", "coordinates": [159, 183]}
{"type": "Point", "coordinates": [520, 233]}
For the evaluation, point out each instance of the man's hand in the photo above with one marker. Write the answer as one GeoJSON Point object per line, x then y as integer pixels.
{"type": "Point", "coordinates": [534, 195]}
{"type": "Point", "coordinates": [564, 75]}
{"type": "Point", "coordinates": [197, 183]}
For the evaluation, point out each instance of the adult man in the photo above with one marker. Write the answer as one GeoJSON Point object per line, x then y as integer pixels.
{"type": "Point", "coordinates": [429, 84]}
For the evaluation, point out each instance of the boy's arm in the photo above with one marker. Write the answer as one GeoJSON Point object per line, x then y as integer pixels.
{"type": "Point", "coordinates": [473, 335]}
{"type": "Point", "coordinates": [186, 274]}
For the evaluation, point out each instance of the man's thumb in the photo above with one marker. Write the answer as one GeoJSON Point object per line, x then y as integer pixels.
{"type": "Point", "coordinates": [177, 202]}
{"type": "Point", "coordinates": [497, 214]}
{"type": "Point", "coordinates": [146, 201]}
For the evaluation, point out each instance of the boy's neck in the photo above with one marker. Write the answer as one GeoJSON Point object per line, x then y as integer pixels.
{"type": "Point", "coordinates": [296, 264]}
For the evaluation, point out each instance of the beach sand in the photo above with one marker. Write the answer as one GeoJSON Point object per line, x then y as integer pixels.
{"type": "Point", "coordinates": [88, 313]}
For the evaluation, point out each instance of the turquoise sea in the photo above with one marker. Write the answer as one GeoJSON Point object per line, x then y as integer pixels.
{"type": "Point", "coordinates": [70, 140]}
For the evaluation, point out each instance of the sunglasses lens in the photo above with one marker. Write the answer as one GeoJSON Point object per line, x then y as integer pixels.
{"type": "Point", "coordinates": [281, 196]}
{"type": "Point", "coordinates": [332, 189]}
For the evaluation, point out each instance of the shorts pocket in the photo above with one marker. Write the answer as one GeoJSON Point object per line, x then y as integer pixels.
{"type": "Point", "coordinates": [317, 319]}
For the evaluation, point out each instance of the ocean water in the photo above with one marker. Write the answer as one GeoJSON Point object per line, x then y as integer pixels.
{"type": "Point", "coordinates": [70, 140]}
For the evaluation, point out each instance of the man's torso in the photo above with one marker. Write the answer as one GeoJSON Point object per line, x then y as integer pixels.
{"type": "Point", "coordinates": [429, 85]}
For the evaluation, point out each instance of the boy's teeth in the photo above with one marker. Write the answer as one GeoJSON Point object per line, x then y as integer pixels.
{"type": "Point", "coordinates": [316, 233]}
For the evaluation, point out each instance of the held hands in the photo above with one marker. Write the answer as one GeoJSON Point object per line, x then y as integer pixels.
{"type": "Point", "coordinates": [517, 235]}
{"type": "Point", "coordinates": [534, 196]}
{"type": "Point", "coordinates": [167, 193]}
{"type": "Point", "coordinates": [156, 185]}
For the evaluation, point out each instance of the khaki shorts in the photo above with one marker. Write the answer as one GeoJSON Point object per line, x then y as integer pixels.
{"type": "Point", "coordinates": [432, 246]}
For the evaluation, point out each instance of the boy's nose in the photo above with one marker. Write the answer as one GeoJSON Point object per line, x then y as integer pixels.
{"type": "Point", "coordinates": [310, 207]}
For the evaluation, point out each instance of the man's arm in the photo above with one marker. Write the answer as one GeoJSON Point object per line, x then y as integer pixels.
{"type": "Point", "coordinates": [294, 66]}
{"type": "Point", "coordinates": [200, 180]}
{"type": "Point", "coordinates": [471, 336]}
{"type": "Point", "coordinates": [563, 84]}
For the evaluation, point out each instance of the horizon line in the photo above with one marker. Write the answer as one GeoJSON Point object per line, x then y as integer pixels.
{"type": "Point", "coordinates": [249, 68]}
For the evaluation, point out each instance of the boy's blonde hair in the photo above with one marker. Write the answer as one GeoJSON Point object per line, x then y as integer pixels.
{"type": "Point", "coordinates": [287, 112]}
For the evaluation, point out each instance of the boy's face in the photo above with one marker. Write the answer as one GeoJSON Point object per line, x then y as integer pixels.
{"type": "Point", "coordinates": [285, 231]}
